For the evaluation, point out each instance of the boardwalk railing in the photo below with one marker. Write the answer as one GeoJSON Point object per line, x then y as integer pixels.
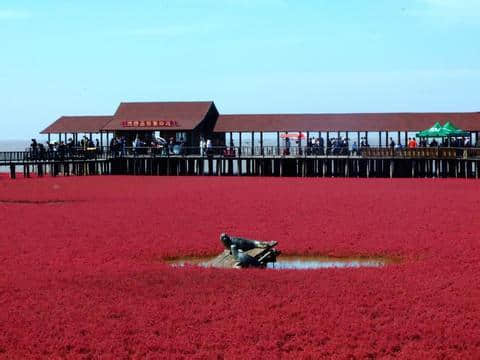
{"type": "Point", "coordinates": [106, 153]}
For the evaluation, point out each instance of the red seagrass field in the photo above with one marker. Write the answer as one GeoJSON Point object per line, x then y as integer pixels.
{"type": "Point", "coordinates": [82, 271]}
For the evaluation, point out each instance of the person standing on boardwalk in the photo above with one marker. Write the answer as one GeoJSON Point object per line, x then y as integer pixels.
{"type": "Point", "coordinates": [392, 143]}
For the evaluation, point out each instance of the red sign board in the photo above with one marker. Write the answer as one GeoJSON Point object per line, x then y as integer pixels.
{"type": "Point", "coordinates": [152, 123]}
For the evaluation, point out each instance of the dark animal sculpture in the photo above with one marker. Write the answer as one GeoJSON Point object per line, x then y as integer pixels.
{"type": "Point", "coordinates": [244, 244]}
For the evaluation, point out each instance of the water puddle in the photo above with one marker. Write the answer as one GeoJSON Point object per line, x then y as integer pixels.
{"type": "Point", "coordinates": [301, 262]}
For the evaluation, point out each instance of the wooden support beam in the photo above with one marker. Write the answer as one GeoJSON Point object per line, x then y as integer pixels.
{"type": "Point", "coordinates": [278, 143]}
{"type": "Point", "coordinates": [253, 148]}
{"type": "Point", "coordinates": [240, 143]}
{"type": "Point", "coordinates": [261, 143]}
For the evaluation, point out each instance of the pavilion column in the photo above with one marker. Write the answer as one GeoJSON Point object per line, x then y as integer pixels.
{"type": "Point", "coordinates": [48, 137]}
{"type": "Point", "coordinates": [358, 138]}
{"type": "Point", "coordinates": [406, 138]}
{"type": "Point", "coordinates": [101, 139]}
{"type": "Point", "coordinates": [253, 139]}
{"type": "Point", "coordinates": [59, 137]}
{"type": "Point", "coordinates": [299, 143]}
{"type": "Point", "coordinates": [386, 138]}
{"type": "Point", "coordinates": [90, 136]}
{"type": "Point", "coordinates": [240, 143]}
{"type": "Point", "coordinates": [327, 139]}
{"type": "Point", "coordinates": [380, 139]}
{"type": "Point", "coordinates": [261, 142]}
{"type": "Point", "coordinates": [366, 137]}
{"type": "Point", "coordinates": [278, 142]}
{"type": "Point", "coordinates": [398, 137]}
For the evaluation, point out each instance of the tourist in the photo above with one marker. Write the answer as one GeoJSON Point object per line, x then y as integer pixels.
{"type": "Point", "coordinates": [202, 146]}
{"type": "Point", "coordinates": [354, 148]}
{"type": "Point", "coordinates": [70, 147]}
{"type": "Point", "coordinates": [344, 146]}
{"type": "Point", "coordinates": [209, 147]}
{"type": "Point", "coordinates": [34, 149]}
{"type": "Point", "coordinates": [287, 145]}
{"type": "Point", "coordinates": [309, 146]}
{"type": "Point", "coordinates": [392, 143]}
{"type": "Point", "coordinates": [42, 153]}
{"type": "Point", "coordinates": [321, 146]}
{"type": "Point", "coordinates": [412, 143]}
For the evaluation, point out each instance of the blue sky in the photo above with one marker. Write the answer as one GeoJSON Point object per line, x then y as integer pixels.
{"type": "Point", "coordinates": [249, 56]}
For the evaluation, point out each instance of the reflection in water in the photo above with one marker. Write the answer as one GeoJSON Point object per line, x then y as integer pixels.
{"type": "Point", "coordinates": [323, 264]}
{"type": "Point", "coordinates": [302, 262]}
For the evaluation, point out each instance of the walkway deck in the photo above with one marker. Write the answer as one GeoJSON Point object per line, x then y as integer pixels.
{"type": "Point", "coordinates": [374, 162]}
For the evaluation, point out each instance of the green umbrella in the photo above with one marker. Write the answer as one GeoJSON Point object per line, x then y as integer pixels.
{"type": "Point", "coordinates": [434, 131]}
{"type": "Point", "coordinates": [451, 130]}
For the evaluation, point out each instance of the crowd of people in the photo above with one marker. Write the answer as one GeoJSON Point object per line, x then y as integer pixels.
{"type": "Point", "coordinates": [60, 149]}
{"type": "Point", "coordinates": [120, 146]}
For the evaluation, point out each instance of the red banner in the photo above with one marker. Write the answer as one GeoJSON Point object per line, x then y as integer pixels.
{"type": "Point", "coordinates": [148, 123]}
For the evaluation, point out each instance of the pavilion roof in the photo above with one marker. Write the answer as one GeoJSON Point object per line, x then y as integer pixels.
{"type": "Point", "coordinates": [154, 115]}
{"type": "Point", "coordinates": [77, 124]}
{"type": "Point", "coordinates": [343, 122]}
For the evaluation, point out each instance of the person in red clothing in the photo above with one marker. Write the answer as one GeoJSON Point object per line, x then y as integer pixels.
{"type": "Point", "coordinates": [412, 143]}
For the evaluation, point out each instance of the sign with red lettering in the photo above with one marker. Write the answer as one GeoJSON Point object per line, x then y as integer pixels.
{"type": "Point", "coordinates": [150, 123]}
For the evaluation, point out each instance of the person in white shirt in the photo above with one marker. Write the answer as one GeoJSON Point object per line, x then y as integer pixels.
{"type": "Point", "coordinates": [209, 147]}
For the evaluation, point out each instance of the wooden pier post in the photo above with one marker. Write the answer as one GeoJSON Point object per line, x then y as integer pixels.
{"type": "Point", "coordinates": [210, 166]}
{"type": "Point", "coordinates": [392, 167]}
{"type": "Point", "coordinates": [13, 174]}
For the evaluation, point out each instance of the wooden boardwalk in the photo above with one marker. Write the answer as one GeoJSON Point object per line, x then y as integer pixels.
{"type": "Point", "coordinates": [385, 163]}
